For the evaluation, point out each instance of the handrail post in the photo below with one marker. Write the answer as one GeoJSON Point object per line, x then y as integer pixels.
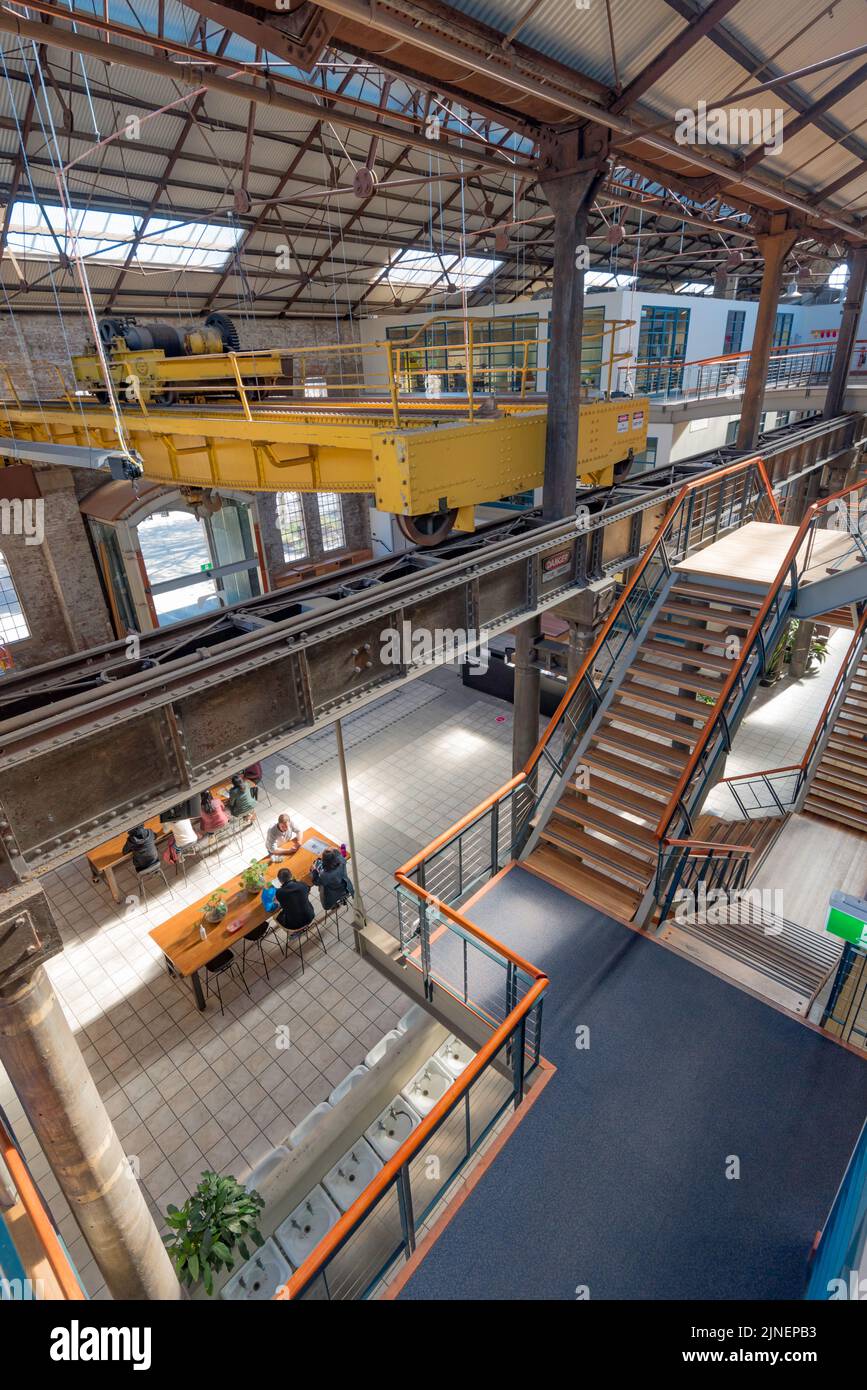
{"type": "Point", "coordinates": [518, 1047]}
{"type": "Point", "coordinates": [524, 368]}
{"type": "Point", "coordinates": [240, 384]}
{"type": "Point", "coordinates": [469, 364]}
{"type": "Point", "coordinates": [392, 385]}
{"type": "Point", "coordinates": [404, 1203]}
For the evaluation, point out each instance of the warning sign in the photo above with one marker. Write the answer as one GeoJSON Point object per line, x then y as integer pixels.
{"type": "Point", "coordinates": [638, 419]}
{"type": "Point", "coordinates": [622, 424]}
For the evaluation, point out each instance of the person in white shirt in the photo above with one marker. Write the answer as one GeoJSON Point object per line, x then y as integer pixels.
{"type": "Point", "coordinates": [285, 831]}
{"type": "Point", "coordinates": [183, 832]}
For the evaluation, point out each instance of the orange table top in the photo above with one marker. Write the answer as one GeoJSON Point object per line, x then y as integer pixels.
{"type": "Point", "coordinates": [179, 938]}
{"type": "Point", "coordinates": [107, 855]}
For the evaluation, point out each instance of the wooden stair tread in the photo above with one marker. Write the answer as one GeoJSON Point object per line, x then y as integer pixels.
{"type": "Point", "coordinates": [835, 813]}
{"type": "Point", "coordinates": [567, 836]}
{"type": "Point", "coordinates": [699, 635]}
{"type": "Point", "coordinates": [637, 772]}
{"type": "Point", "coordinates": [706, 614]}
{"type": "Point", "coordinates": [712, 660]}
{"type": "Point", "coordinates": [576, 806]}
{"type": "Point", "coordinates": [689, 680]}
{"type": "Point", "coordinates": [710, 592]}
{"type": "Point", "coordinates": [613, 794]}
{"type": "Point", "coordinates": [640, 747]}
{"type": "Point", "coordinates": [652, 695]}
{"type": "Point", "coordinates": [832, 787]}
{"type": "Point", "coordinates": [600, 892]}
{"type": "Point", "coordinates": [639, 718]}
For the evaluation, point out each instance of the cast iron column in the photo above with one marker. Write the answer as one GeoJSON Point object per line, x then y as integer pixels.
{"type": "Point", "coordinates": [852, 307]}
{"type": "Point", "coordinates": [60, 1099]}
{"type": "Point", "coordinates": [775, 246]}
{"type": "Point", "coordinates": [572, 166]}
{"type": "Point", "coordinates": [528, 679]}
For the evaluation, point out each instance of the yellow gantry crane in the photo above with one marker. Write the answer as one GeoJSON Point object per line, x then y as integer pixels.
{"type": "Point", "coordinates": [200, 413]}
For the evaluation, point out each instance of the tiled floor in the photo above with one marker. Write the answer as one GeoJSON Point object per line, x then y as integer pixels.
{"type": "Point", "coordinates": [187, 1090]}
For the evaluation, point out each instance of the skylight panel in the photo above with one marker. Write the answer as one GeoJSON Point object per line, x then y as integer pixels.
{"type": "Point", "coordinates": [693, 287]}
{"type": "Point", "coordinates": [421, 269]}
{"type": "Point", "coordinates": [41, 234]}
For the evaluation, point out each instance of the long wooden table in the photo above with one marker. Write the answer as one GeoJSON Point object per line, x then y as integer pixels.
{"type": "Point", "coordinates": [180, 940]}
{"type": "Point", "coordinates": [108, 857]}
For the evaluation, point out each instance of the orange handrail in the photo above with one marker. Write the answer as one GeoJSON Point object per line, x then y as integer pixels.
{"type": "Point", "coordinates": [675, 362]}
{"type": "Point", "coordinates": [692, 486]}
{"type": "Point", "coordinates": [832, 695]}
{"type": "Point", "coordinates": [746, 649]}
{"type": "Point", "coordinates": [32, 1203]}
{"type": "Point", "coordinates": [411, 1145]}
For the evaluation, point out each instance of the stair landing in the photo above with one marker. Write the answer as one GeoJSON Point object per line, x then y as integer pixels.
{"type": "Point", "coordinates": [754, 554]}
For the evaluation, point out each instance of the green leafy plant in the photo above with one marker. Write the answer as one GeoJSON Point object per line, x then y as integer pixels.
{"type": "Point", "coordinates": [216, 907]}
{"type": "Point", "coordinates": [212, 1228]}
{"type": "Point", "coordinates": [254, 877]}
{"type": "Point", "coordinates": [818, 651]}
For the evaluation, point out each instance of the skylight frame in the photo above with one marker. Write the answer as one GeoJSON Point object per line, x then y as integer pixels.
{"type": "Point", "coordinates": [99, 236]}
{"type": "Point", "coordinates": [440, 272]}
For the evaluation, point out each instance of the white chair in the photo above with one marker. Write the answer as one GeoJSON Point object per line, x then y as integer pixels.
{"type": "Point", "coordinates": [345, 1086]}
{"type": "Point", "coordinates": [378, 1051]}
{"type": "Point", "coordinates": [308, 1124]}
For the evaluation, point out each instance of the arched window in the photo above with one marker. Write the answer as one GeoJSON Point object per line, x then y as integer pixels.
{"type": "Point", "coordinates": [293, 531]}
{"type": "Point", "coordinates": [13, 624]}
{"type": "Point", "coordinates": [331, 521]}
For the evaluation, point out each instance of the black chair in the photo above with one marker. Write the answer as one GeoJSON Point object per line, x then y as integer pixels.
{"type": "Point", "coordinates": [222, 964]}
{"type": "Point", "coordinates": [256, 937]}
{"type": "Point", "coordinates": [300, 934]}
{"type": "Point", "coordinates": [333, 913]}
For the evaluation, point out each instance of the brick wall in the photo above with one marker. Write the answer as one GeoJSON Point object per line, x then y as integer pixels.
{"type": "Point", "coordinates": [57, 583]}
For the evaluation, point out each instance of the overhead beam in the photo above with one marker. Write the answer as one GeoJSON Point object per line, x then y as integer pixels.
{"type": "Point", "coordinates": [673, 52]}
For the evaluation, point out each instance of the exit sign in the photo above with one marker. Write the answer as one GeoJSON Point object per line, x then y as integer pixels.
{"type": "Point", "coordinates": [847, 917]}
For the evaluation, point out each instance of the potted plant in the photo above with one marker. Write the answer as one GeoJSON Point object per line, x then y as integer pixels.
{"type": "Point", "coordinates": [254, 877]}
{"type": "Point", "coordinates": [216, 907]}
{"type": "Point", "coordinates": [212, 1228]}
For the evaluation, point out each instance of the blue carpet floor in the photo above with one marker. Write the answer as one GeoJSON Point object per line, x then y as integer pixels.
{"type": "Point", "coordinates": [616, 1177]}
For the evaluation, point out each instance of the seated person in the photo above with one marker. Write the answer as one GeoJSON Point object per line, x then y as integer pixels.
{"type": "Point", "coordinates": [293, 898]}
{"type": "Point", "coordinates": [141, 843]}
{"type": "Point", "coordinates": [241, 798]}
{"type": "Point", "coordinates": [283, 832]}
{"type": "Point", "coordinates": [331, 878]}
{"type": "Point", "coordinates": [183, 831]}
{"type": "Point", "coordinates": [213, 815]}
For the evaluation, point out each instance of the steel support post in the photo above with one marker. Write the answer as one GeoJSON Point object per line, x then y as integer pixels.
{"type": "Point", "coordinates": [528, 679]}
{"type": "Point", "coordinates": [357, 902]}
{"type": "Point", "coordinates": [852, 307]}
{"type": "Point", "coordinates": [572, 167]}
{"type": "Point", "coordinates": [64, 1107]}
{"type": "Point", "coordinates": [774, 245]}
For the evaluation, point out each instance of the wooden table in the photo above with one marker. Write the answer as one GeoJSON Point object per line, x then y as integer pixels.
{"type": "Point", "coordinates": [179, 938]}
{"type": "Point", "coordinates": [106, 858]}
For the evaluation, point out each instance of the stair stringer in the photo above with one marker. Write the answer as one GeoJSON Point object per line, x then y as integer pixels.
{"type": "Point", "coordinates": [558, 785]}
{"type": "Point", "coordinates": [823, 741]}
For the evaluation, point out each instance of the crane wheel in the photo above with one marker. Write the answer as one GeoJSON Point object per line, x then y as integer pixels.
{"type": "Point", "coordinates": [429, 528]}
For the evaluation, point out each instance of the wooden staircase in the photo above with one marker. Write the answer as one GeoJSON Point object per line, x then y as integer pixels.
{"type": "Point", "coordinates": [599, 842]}
{"type": "Point", "coordinates": [838, 790]}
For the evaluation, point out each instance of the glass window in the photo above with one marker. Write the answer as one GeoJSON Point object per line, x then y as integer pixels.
{"type": "Point", "coordinates": [293, 529]}
{"type": "Point", "coordinates": [662, 338]}
{"type": "Point", "coordinates": [732, 430]}
{"type": "Point", "coordinates": [331, 521]}
{"type": "Point", "coordinates": [783, 330]}
{"type": "Point", "coordinates": [13, 624]}
{"type": "Point", "coordinates": [734, 334]}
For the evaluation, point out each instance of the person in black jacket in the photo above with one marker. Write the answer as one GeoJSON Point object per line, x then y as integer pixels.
{"type": "Point", "coordinates": [141, 843]}
{"type": "Point", "coordinates": [293, 897]}
{"type": "Point", "coordinates": [330, 876]}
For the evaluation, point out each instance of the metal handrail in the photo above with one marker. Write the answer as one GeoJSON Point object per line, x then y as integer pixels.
{"type": "Point", "coordinates": [787, 570]}
{"type": "Point", "coordinates": [40, 1223]}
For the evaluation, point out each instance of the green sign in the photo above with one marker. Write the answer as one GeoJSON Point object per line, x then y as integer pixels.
{"type": "Point", "coordinates": [843, 924]}
{"type": "Point", "coordinates": [209, 566]}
